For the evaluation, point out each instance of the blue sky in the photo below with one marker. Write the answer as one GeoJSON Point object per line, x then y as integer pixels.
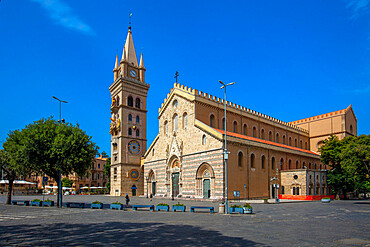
{"type": "Point", "coordinates": [290, 59]}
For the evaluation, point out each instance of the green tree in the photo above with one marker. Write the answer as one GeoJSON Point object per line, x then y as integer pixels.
{"type": "Point", "coordinates": [107, 172]}
{"type": "Point", "coordinates": [66, 182]}
{"type": "Point", "coordinates": [13, 159]}
{"type": "Point", "coordinates": [49, 147]}
{"type": "Point", "coordinates": [104, 155]}
{"type": "Point", "coordinates": [346, 157]}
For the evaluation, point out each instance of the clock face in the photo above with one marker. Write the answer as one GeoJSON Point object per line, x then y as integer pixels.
{"type": "Point", "coordinates": [134, 147]}
{"type": "Point", "coordinates": [133, 73]}
{"type": "Point", "coordinates": [134, 174]}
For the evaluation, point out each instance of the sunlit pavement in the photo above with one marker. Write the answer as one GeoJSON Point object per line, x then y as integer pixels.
{"type": "Point", "coordinates": [338, 223]}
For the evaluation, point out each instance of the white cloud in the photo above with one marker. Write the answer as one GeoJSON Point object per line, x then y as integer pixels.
{"type": "Point", "coordinates": [62, 14]}
{"type": "Point", "coordinates": [359, 7]}
{"type": "Point", "coordinates": [363, 90]}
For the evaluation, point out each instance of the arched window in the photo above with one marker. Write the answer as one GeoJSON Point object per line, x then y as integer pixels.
{"type": "Point", "coordinates": [309, 165]}
{"type": "Point", "coordinates": [117, 101]}
{"type": "Point", "coordinates": [263, 161]}
{"type": "Point", "coordinates": [130, 101]}
{"type": "Point", "coordinates": [284, 139]}
{"type": "Point", "coordinates": [129, 117]}
{"type": "Point", "coordinates": [137, 119]}
{"type": "Point", "coordinates": [254, 131]}
{"type": "Point", "coordinates": [204, 139]}
{"type": "Point", "coordinates": [223, 123]}
{"type": "Point", "coordinates": [175, 122]}
{"type": "Point", "coordinates": [273, 163]}
{"type": "Point", "coordinates": [185, 120]}
{"type": "Point", "coordinates": [137, 132]}
{"type": "Point", "coordinates": [290, 141]}
{"type": "Point", "coordinates": [295, 142]}
{"type": "Point", "coordinates": [297, 164]}
{"type": "Point", "coordinates": [301, 144]}
{"type": "Point", "coordinates": [212, 120]}
{"type": "Point", "coordinates": [304, 165]}
{"type": "Point", "coordinates": [270, 136]}
{"type": "Point", "coordinates": [165, 127]}
{"type": "Point", "coordinates": [137, 103]}
{"type": "Point", "coordinates": [252, 160]}
{"type": "Point", "coordinates": [245, 129]}
{"type": "Point", "coordinates": [129, 131]}
{"type": "Point", "coordinates": [262, 134]}
{"type": "Point", "coordinates": [351, 129]}
{"type": "Point", "coordinates": [240, 159]}
{"type": "Point", "coordinates": [277, 137]}
{"type": "Point", "coordinates": [175, 104]}
{"type": "Point", "coordinates": [289, 164]}
{"type": "Point", "coordinates": [281, 163]}
{"type": "Point", "coordinates": [235, 125]}
{"type": "Point", "coordinates": [305, 145]}
{"type": "Point", "coordinates": [315, 166]}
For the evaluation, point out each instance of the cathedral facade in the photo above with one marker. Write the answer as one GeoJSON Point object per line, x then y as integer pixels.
{"type": "Point", "coordinates": [186, 159]}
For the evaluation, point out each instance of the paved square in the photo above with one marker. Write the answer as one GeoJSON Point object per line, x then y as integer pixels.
{"type": "Point", "coordinates": [339, 223]}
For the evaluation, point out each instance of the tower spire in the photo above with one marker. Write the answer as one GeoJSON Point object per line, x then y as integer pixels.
{"type": "Point", "coordinates": [116, 64]}
{"type": "Point", "coordinates": [141, 61]}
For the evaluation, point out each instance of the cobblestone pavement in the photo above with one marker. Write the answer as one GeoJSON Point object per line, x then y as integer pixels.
{"type": "Point", "coordinates": [339, 223]}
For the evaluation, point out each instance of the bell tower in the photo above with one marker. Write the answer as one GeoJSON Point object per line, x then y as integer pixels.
{"type": "Point", "coordinates": [128, 122]}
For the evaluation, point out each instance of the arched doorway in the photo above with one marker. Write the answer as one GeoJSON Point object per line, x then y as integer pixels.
{"type": "Point", "coordinates": [173, 177]}
{"type": "Point", "coordinates": [152, 183]}
{"type": "Point", "coordinates": [205, 180]}
{"type": "Point", "coordinates": [133, 190]}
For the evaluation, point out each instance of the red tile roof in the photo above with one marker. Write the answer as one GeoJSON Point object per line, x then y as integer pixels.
{"type": "Point", "coordinates": [265, 142]}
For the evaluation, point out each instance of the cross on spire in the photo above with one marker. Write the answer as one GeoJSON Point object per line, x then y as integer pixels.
{"type": "Point", "coordinates": [129, 20]}
{"type": "Point", "coordinates": [176, 75]}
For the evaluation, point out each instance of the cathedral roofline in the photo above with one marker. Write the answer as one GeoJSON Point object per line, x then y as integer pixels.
{"type": "Point", "coordinates": [325, 115]}
{"type": "Point", "coordinates": [194, 94]}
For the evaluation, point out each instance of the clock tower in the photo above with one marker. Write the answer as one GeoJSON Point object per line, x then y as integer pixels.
{"type": "Point", "coordinates": [128, 122]}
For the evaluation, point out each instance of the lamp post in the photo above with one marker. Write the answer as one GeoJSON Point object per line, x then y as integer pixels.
{"type": "Point", "coordinates": [60, 173]}
{"type": "Point", "coordinates": [226, 154]}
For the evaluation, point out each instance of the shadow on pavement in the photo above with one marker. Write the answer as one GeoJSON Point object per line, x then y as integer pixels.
{"type": "Point", "coordinates": [116, 233]}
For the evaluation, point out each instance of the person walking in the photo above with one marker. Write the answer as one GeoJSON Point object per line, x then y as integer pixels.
{"type": "Point", "coordinates": [127, 199]}
{"type": "Point", "coordinates": [151, 197]}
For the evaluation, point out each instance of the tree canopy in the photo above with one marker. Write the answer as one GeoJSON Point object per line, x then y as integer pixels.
{"type": "Point", "coordinates": [46, 146]}
{"type": "Point", "coordinates": [348, 159]}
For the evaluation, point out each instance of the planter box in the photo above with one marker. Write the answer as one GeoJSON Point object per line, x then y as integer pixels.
{"type": "Point", "coordinates": [49, 203]}
{"type": "Point", "coordinates": [248, 210]}
{"type": "Point", "coordinates": [116, 206]}
{"type": "Point", "coordinates": [178, 208]}
{"type": "Point", "coordinates": [236, 210]}
{"type": "Point", "coordinates": [163, 208]}
{"type": "Point", "coordinates": [39, 204]}
{"type": "Point", "coordinates": [325, 200]}
{"type": "Point", "coordinates": [97, 206]}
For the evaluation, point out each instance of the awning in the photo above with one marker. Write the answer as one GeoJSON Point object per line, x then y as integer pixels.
{"type": "Point", "coordinates": [16, 182]}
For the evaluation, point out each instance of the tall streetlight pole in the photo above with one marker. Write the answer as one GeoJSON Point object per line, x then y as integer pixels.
{"type": "Point", "coordinates": [60, 173]}
{"type": "Point", "coordinates": [226, 154]}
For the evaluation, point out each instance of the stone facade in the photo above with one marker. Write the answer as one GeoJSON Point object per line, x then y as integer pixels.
{"type": "Point", "coordinates": [189, 145]}
{"type": "Point", "coordinates": [303, 184]}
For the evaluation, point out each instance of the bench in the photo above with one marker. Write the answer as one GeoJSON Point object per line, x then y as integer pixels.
{"type": "Point", "coordinates": [211, 209]}
{"type": "Point", "coordinates": [74, 204]}
{"type": "Point", "coordinates": [15, 202]}
{"type": "Point", "coordinates": [135, 207]}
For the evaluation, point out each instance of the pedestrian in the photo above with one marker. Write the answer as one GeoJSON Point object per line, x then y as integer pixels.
{"type": "Point", "coordinates": [151, 197]}
{"type": "Point", "coordinates": [127, 199]}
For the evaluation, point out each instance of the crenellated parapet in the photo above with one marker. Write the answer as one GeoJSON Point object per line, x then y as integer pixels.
{"type": "Point", "coordinates": [209, 97]}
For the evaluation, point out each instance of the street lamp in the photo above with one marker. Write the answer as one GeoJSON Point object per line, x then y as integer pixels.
{"type": "Point", "coordinates": [226, 154]}
{"type": "Point", "coordinates": [60, 173]}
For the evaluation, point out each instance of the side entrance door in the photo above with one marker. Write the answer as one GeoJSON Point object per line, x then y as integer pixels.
{"type": "Point", "coordinates": [206, 188]}
{"type": "Point", "coordinates": [175, 184]}
{"type": "Point", "coordinates": [153, 188]}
